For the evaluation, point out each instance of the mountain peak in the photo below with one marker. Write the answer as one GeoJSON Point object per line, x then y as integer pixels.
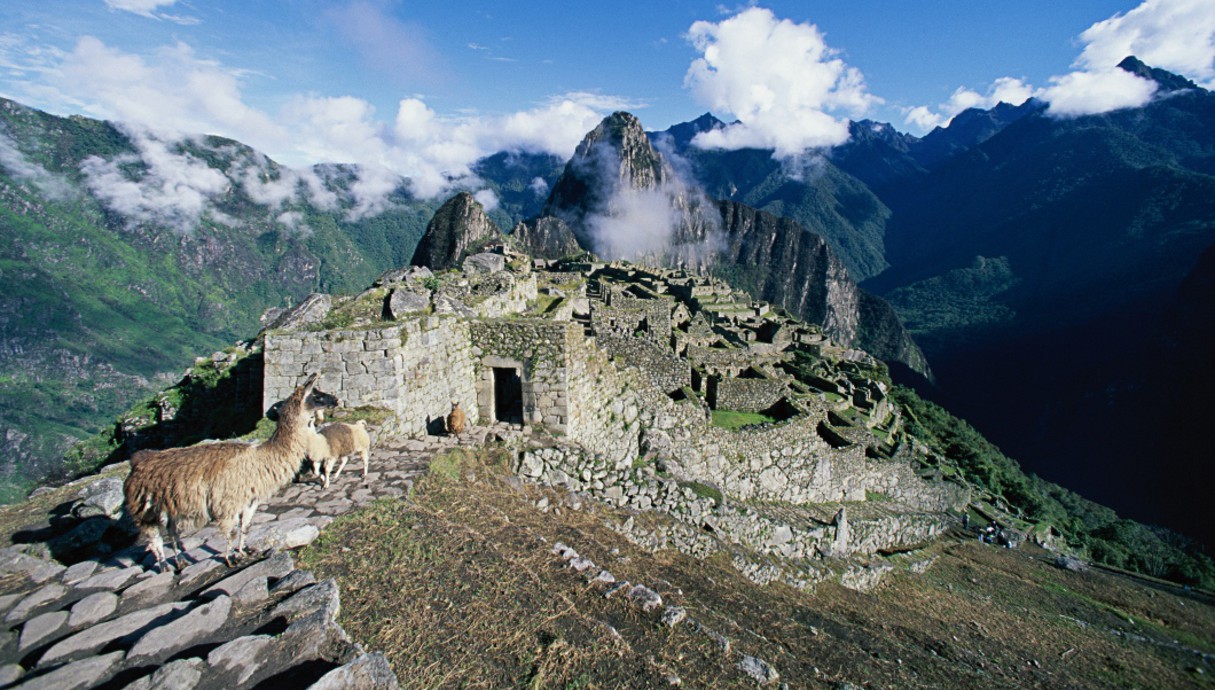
{"type": "Point", "coordinates": [1167, 80]}
{"type": "Point", "coordinates": [458, 225]}
{"type": "Point", "coordinates": [615, 155]}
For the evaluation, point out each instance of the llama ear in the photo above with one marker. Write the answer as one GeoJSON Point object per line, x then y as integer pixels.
{"type": "Point", "coordinates": [309, 384]}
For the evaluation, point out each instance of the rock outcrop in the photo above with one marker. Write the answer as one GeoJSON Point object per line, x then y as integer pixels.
{"type": "Point", "coordinates": [457, 229]}
{"type": "Point", "coordinates": [546, 237]}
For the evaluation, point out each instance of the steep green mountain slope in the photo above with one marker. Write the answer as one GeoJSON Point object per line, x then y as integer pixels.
{"type": "Point", "coordinates": [1037, 269]}
{"type": "Point", "coordinates": [101, 299]}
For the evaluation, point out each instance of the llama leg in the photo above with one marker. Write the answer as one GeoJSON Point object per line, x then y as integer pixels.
{"type": "Point", "coordinates": [151, 534]}
{"type": "Point", "coordinates": [175, 540]}
{"type": "Point", "coordinates": [341, 466]}
{"type": "Point", "coordinates": [246, 521]}
{"type": "Point", "coordinates": [366, 462]}
{"type": "Point", "coordinates": [227, 527]}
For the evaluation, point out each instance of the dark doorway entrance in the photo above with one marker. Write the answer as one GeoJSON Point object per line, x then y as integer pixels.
{"type": "Point", "coordinates": [508, 395]}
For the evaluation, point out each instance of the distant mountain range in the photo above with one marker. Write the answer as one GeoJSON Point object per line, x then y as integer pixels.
{"type": "Point", "coordinates": [1049, 268]}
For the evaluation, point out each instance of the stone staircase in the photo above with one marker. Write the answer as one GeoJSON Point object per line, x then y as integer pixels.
{"type": "Point", "coordinates": [115, 622]}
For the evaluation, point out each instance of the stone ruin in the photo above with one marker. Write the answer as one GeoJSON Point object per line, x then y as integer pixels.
{"type": "Point", "coordinates": [617, 370]}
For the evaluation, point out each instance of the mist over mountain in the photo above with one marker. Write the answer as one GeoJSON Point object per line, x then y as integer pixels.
{"type": "Point", "coordinates": [624, 198]}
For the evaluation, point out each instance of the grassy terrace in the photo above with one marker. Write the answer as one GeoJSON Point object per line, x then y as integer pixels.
{"type": "Point", "coordinates": [458, 586]}
{"type": "Point", "coordinates": [733, 420]}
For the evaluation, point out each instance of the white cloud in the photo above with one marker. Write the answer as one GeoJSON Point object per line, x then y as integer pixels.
{"type": "Point", "coordinates": [1176, 35]}
{"type": "Point", "coordinates": [294, 221]}
{"type": "Point", "coordinates": [1092, 92]}
{"type": "Point", "coordinates": [780, 79]}
{"type": "Point", "coordinates": [157, 185]}
{"type": "Point", "coordinates": [539, 187]}
{"type": "Point", "coordinates": [1003, 90]}
{"type": "Point", "coordinates": [488, 199]}
{"type": "Point", "coordinates": [146, 8]}
{"type": "Point", "coordinates": [172, 93]}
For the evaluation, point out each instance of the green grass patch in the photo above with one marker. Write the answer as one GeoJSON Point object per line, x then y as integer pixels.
{"type": "Point", "coordinates": [704, 491]}
{"type": "Point", "coordinates": [734, 420]}
{"type": "Point", "coordinates": [450, 465]}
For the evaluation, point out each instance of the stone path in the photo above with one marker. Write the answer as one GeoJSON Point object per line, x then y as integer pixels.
{"type": "Point", "coordinates": [116, 622]}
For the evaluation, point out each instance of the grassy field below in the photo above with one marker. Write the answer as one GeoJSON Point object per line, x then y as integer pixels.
{"type": "Point", "coordinates": [459, 586]}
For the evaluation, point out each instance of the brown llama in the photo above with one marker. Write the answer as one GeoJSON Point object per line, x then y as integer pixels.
{"type": "Point", "coordinates": [456, 421]}
{"type": "Point", "coordinates": [221, 482]}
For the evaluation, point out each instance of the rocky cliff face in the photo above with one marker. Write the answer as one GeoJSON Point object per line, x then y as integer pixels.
{"type": "Point", "coordinates": [458, 226]}
{"type": "Point", "coordinates": [546, 237]}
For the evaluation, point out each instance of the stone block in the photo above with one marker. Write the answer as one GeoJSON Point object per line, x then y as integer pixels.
{"type": "Point", "coordinates": [109, 579]}
{"type": "Point", "coordinates": [93, 608]}
{"type": "Point", "coordinates": [183, 674]}
{"type": "Point", "coordinates": [92, 639]}
{"type": "Point", "coordinates": [276, 566]}
{"type": "Point", "coordinates": [85, 673]}
{"type": "Point", "coordinates": [35, 600]}
{"type": "Point", "coordinates": [194, 626]}
{"type": "Point", "coordinates": [367, 672]}
{"type": "Point", "coordinates": [40, 628]}
{"type": "Point", "coordinates": [241, 657]}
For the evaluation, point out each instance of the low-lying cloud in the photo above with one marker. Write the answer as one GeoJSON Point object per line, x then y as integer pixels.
{"type": "Point", "coordinates": [16, 163]}
{"type": "Point", "coordinates": [789, 90]}
{"type": "Point", "coordinates": [1176, 35]}
{"type": "Point", "coordinates": [172, 94]}
{"type": "Point", "coordinates": [156, 185]}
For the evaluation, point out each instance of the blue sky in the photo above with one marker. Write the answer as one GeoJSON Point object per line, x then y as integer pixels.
{"type": "Point", "coordinates": [422, 89]}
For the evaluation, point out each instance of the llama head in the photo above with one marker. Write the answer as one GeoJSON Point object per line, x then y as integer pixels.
{"type": "Point", "coordinates": [302, 406]}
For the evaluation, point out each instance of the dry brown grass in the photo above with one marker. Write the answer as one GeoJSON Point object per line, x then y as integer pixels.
{"type": "Point", "coordinates": [460, 589]}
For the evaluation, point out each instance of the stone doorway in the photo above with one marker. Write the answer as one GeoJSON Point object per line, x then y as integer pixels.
{"type": "Point", "coordinates": [508, 395]}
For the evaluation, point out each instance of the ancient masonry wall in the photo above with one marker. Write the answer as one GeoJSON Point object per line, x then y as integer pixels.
{"type": "Point", "coordinates": [663, 368]}
{"type": "Point", "coordinates": [416, 369]}
{"type": "Point", "coordinates": [536, 349]}
{"type": "Point", "coordinates": [749, 395]}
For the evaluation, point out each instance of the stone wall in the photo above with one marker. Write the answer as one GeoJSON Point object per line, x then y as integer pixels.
{"type": "Point", "coordinates": [416, 369]}
{"type": "Point", "coordinates": [661, 366]}
{"type": "Point", "coordinates": [749, 395]}
{"type": "Point", "coordinates": [537, 348]}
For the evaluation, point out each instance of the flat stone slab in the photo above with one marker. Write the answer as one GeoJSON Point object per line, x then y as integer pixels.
{"type": "Point", "coordinates": [93, 608]}
{"type": "Point", "coordinates": [152, 588]}
{"type": "Point", "coordinates": [282, 534]}
{"type": "Point", "coordinates": [243, 656]}
{"type": "Point", "coordinates": [109, 579]}
{"type": "Point", "coordinates": [38, 570]}
{"type": "Point", "coordinates": [39, 597]}
{"type": "Point", "coordinates": [368, 672]}
{"type": "Point", "coordinates": [276, 566]}
{"type": "Point", "coordinates": [75, 676]}
{"type": "Point", "coordinates": [182, 674]}
{"type": "Point", "coordinates": [78, 572]}
{"type": "Point", "coordinates": [92, 639]}
{"type": "Point", "coordinates": [39, 628]}
{"type": "Point", "coordinates": [181, 633]}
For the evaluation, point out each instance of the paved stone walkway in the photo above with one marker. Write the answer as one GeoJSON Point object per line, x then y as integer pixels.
{"type": "Point", "coordinates": [117, 622]}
